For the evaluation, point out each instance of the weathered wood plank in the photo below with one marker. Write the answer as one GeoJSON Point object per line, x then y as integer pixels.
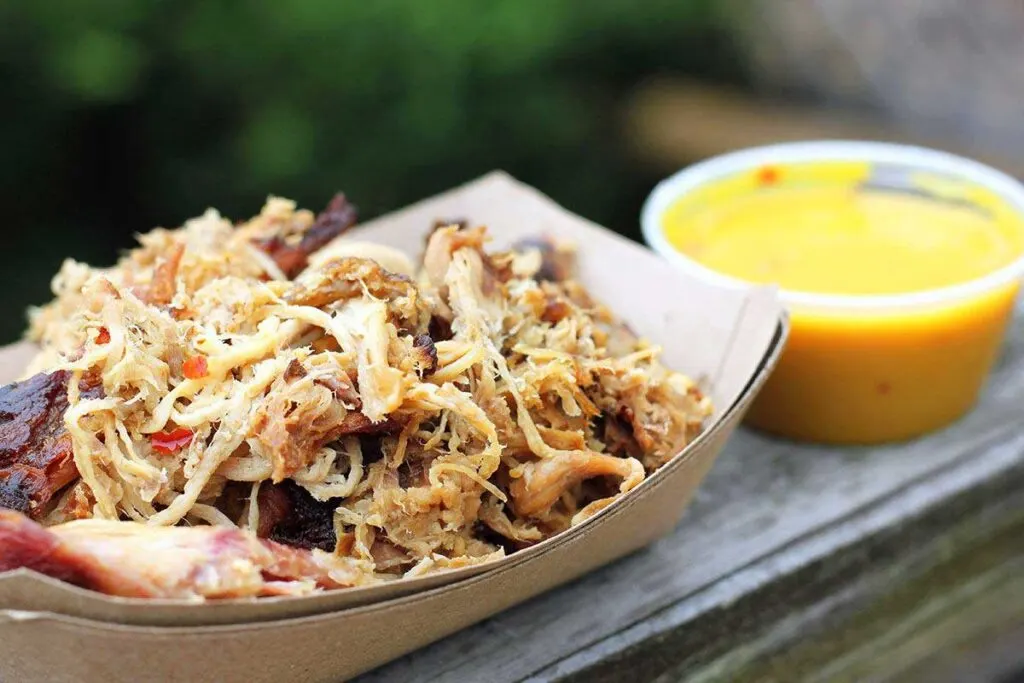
{"type": "Point", "coordinates": [768, 510]}
{"type": "Point", "coordinates": [889, 592]}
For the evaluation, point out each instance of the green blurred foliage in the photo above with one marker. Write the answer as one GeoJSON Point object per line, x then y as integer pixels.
{"type": "Point", "coordinates": [120, 115]}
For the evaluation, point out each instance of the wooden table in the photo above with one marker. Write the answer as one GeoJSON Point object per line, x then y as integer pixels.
{"type": "Point", "coordinates": [798, 563]}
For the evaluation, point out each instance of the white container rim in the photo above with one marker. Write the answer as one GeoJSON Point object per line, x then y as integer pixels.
{"type": "Point", "coordinates": [920, 158]}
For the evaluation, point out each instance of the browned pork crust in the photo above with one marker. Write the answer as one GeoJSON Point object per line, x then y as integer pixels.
{"type": "Point", "coordinates": [36, 459]}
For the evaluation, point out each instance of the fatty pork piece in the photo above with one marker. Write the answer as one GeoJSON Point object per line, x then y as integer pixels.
{"type": "Point", "coordinates": [135, 560]}
{"type": "Point", "coordinates": [36, 458]}
{"type": "Point", "coordinates": [543, 482]}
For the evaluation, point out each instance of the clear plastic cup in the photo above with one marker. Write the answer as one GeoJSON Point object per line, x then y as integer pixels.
{"type": "Point", "coordinates": [867, 368]}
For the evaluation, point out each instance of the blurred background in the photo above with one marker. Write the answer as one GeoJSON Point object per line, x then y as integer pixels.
{"type": "Point", "coordinates": [120, 115]}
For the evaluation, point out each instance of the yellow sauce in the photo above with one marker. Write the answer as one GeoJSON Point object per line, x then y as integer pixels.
{"type": "Point", "coordinates": [840, 240]}
{"type": "Point", "coordinates": [867, 374]}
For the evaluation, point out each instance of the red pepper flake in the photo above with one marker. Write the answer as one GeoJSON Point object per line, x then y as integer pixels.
{"type": "Point", "coordinates": [103, 336]}
{"type": "Point", "coordinates": [884, 388]}
{"type": "Point", "coordinates": [168, 443]}
{"type": "Point", "coordinates": [768, 175]}
{"type": "Point", "coordinates": [195, 367]}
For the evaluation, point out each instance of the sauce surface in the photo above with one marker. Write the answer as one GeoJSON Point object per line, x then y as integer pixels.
{"type": "Point", "coordinates": [840, 239]}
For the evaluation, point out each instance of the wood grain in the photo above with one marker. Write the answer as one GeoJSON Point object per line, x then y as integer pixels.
{"type": "Point", "coordinates": [779, 536]}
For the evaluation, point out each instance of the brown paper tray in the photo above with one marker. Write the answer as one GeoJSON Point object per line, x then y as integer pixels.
{"type": "Point", "coordinates": [729, 340]}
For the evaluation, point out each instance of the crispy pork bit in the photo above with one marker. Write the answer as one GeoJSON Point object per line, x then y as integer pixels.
{"type": "Point", "coordinates": [556, 310]}
{"type": "Point", "coordinates": [136, 560]}
{"type": "Point", "coordinates": [351, 277]}
{"type": "Point", "coordinates": [290, 515]}
{"type": "Point", "coordinates": [357, 424]}
{"type": "Point", "coordinates": [294, 370]}
{"type": "Point", "coordinates": [426, 354]}
{"type": "Point", "coordinates": [348, 278]}
{"type": "Point", "coordinates": [338, 217]}
{"type": "Point", "coordinates": [36, 458]}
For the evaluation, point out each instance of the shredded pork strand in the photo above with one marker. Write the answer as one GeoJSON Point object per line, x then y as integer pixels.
{"type": "Point", "coordinates": [412, 421]}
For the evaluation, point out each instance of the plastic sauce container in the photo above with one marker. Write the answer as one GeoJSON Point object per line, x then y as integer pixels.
{"type": "Point", "coordinates": [900, 267]}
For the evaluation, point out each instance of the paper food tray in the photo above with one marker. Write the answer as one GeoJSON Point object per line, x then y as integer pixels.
{"type": "Point", "coordinates": [728, 340]}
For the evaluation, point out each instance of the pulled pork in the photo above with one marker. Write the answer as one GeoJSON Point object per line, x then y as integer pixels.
{"type": "Point", "coordinates": [294, 412]}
